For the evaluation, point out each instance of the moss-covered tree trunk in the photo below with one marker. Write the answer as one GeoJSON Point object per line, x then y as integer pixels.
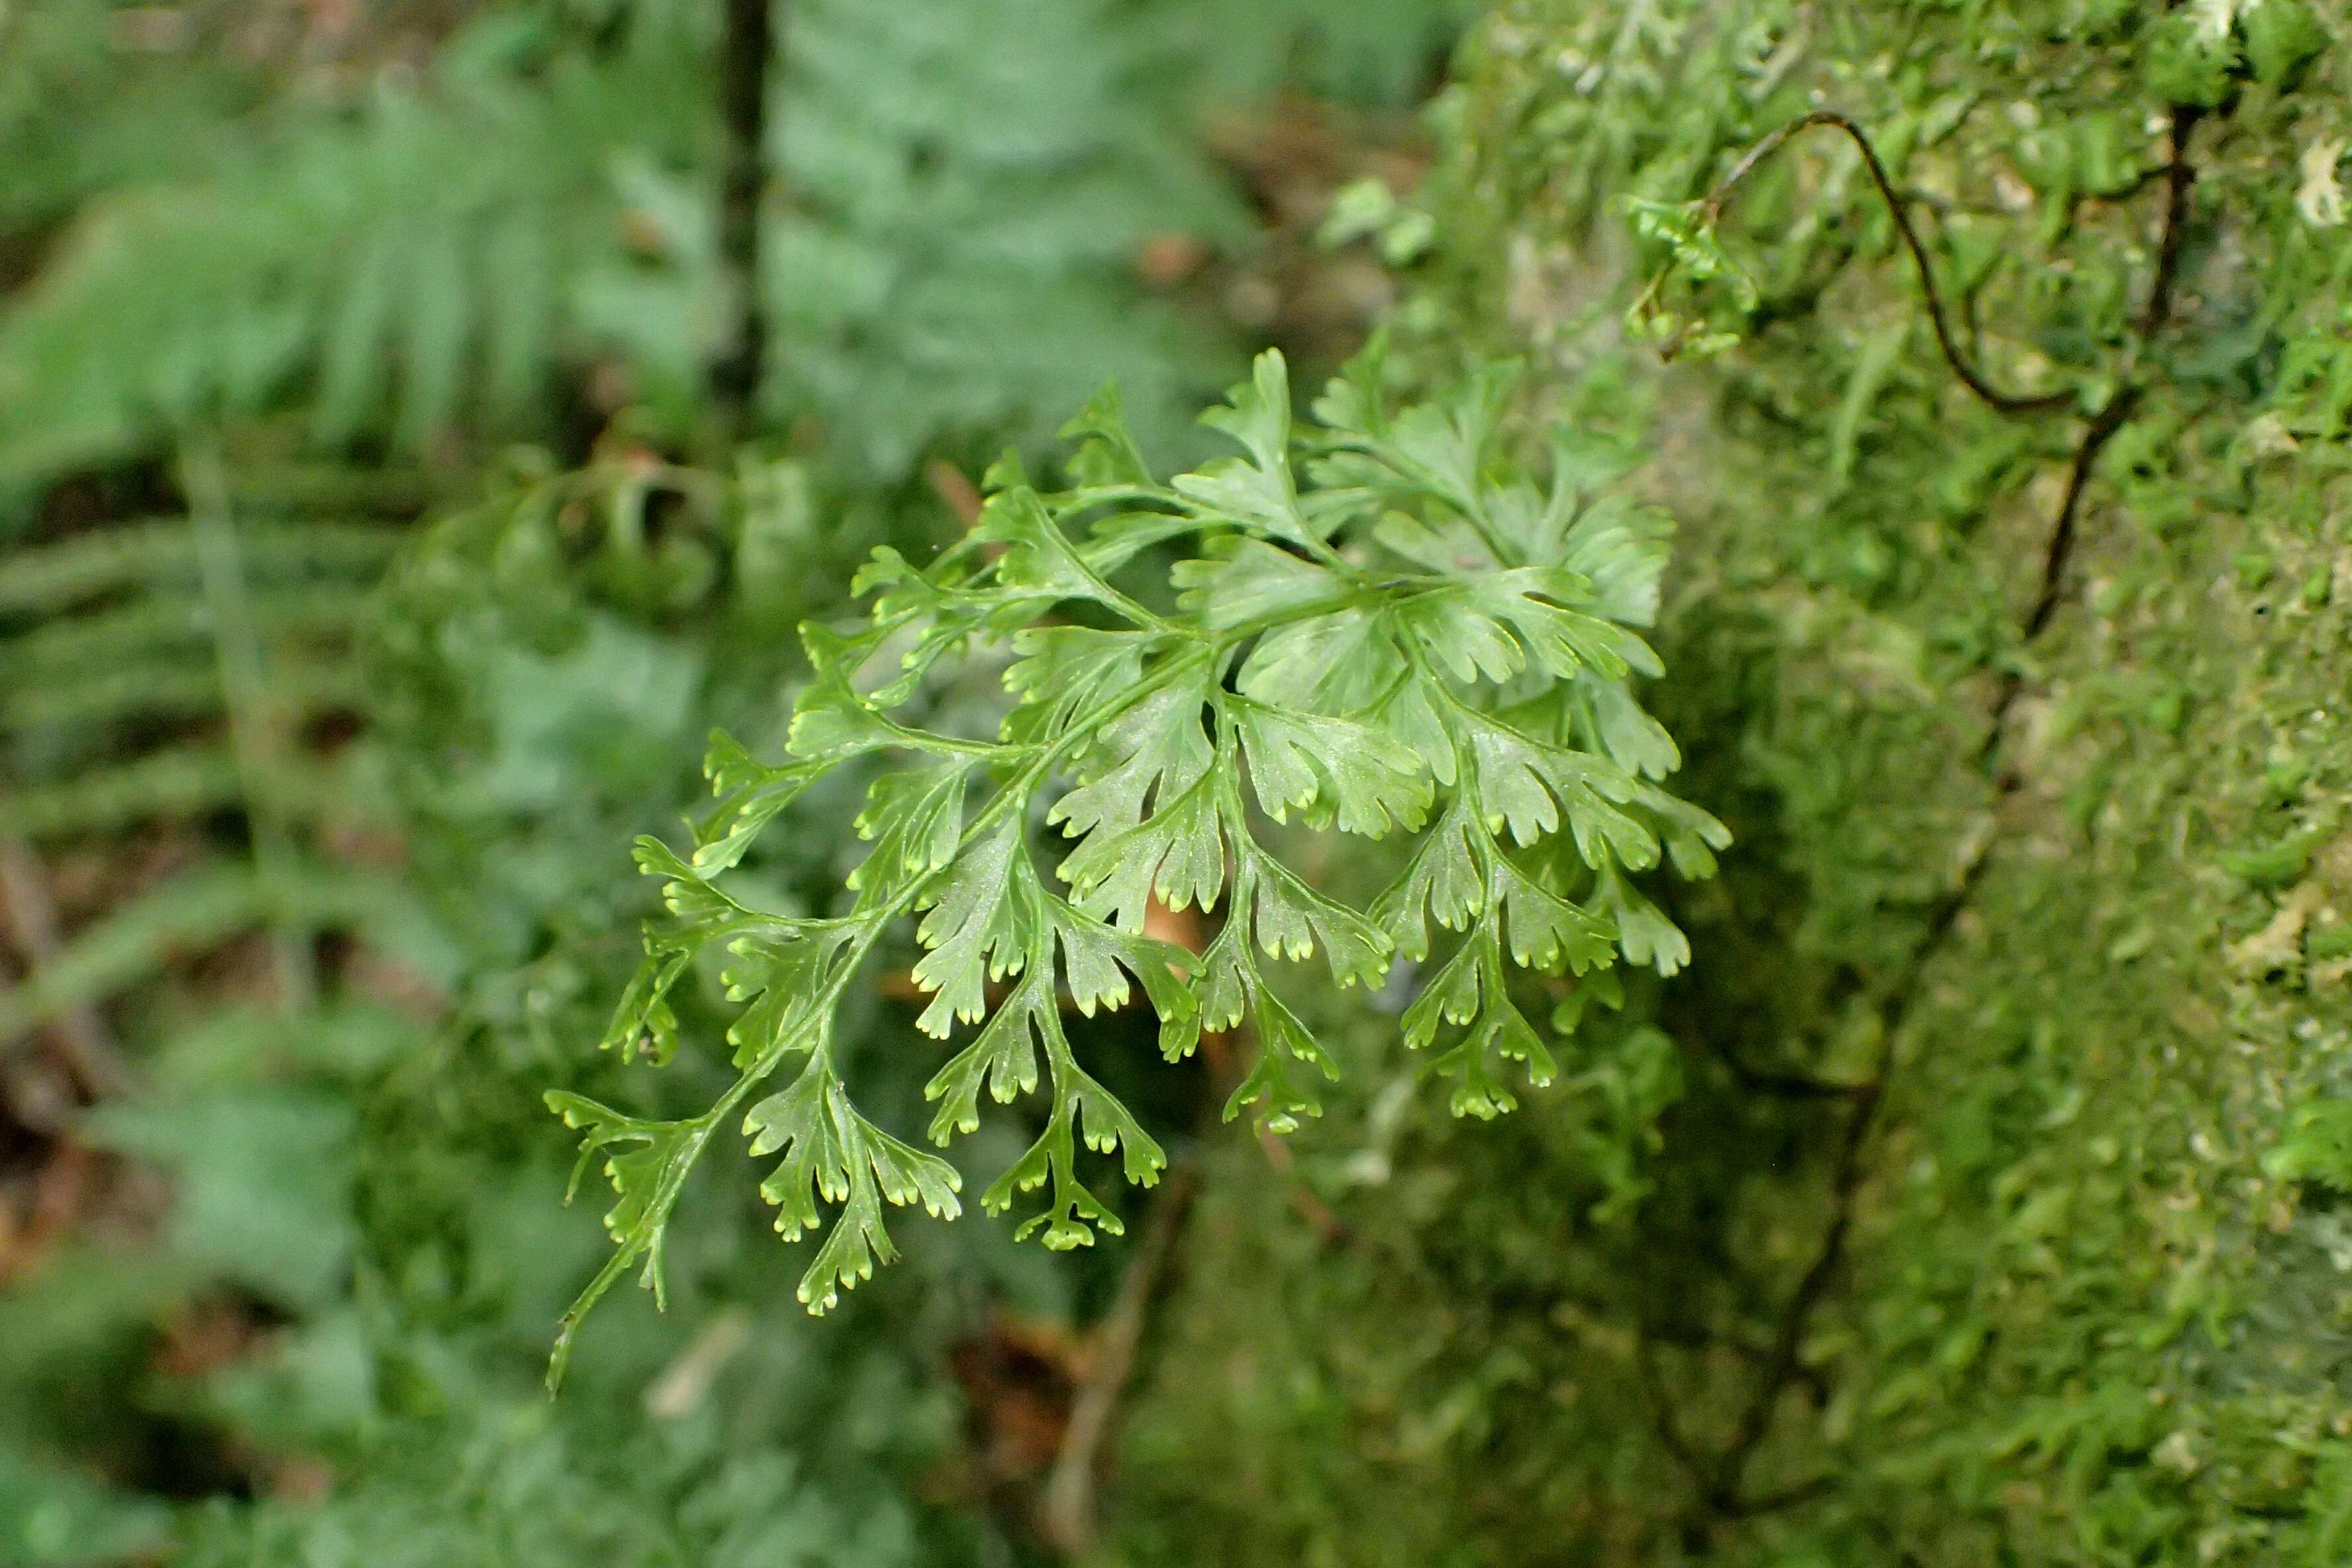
{"type": "Point", "coordinates": [1992, 1212]}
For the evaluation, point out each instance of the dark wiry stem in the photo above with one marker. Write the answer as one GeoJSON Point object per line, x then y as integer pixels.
{"type": "Point", "coordinates": [1898, 208]}
{"type": "Point", "coordinates": [1786, 1085]}
{"type": "Point", "coordinates": [2095, 437]}
{"type": "Point", "coordinates": [1721, 1488]}
{"type": "Point", "coordinates": [2179, 177]}
{"type": "Point", "coordinates": [1785, 1360]}
{"type": "Point", "coordinates": [748, 46]}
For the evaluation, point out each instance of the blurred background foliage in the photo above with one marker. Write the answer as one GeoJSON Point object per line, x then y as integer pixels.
{"type": "Point", "coordinates": [375, 555]}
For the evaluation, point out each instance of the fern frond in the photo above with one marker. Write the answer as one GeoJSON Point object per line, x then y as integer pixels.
{"type": "Point", "coordinates": [47, 579]}
{"type": "Point", "coordinates": [80, 113]}
{"type": "Point", "coordinates": [178, 782]}
{"type": "Point", "coordinates": [162, 672]}
{"type": "Point", "coordinates": [162, 627]}
{"type": "Point", "coordinates": [112, 696]}
{"type": "Point", "coordinates": [200, 907]}
{"type": "Point", "coordinates": [1382, 626]}
{"type": "Point", "coordinates": [969, 186]}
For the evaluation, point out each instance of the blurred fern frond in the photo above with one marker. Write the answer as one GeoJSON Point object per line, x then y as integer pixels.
{"type": "Point", "coordinates": [392, 275]}
{"type": "Point", "coordinates": [967, 189]}
{"type": "Point", "coordinates": [161, 675]}
{"type": "Point", "coordinates": [960, 258]}
{"type": "Point", "coordinates": [962, 194]}
{"type": "Point", "coordinates": [90, 103]}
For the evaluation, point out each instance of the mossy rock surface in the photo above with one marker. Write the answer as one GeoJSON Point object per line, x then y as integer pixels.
{"type": "Point", "coordinates": [2031, 974]}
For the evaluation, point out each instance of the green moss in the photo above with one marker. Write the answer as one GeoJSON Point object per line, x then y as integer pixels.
{"type": "Point", "coordinates": [2078, 892]}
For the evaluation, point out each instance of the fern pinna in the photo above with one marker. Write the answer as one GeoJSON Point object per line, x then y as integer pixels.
{"type": "Point", "coordinates": [1382, 626]}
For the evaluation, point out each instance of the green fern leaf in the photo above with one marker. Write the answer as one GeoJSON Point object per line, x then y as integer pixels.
{"type": "Point", "coordinates": [1417, 646]}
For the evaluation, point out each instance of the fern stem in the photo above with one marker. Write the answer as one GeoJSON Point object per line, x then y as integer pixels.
{"type": "Point", "coordinates": [252, 728]}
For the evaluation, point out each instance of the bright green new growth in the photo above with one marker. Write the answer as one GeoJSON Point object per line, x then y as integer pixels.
{"type": "Point", "coordinates": [1382, 626]}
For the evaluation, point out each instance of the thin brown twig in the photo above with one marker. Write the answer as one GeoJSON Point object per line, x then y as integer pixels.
{"type": "Point", "coordinates": [1896, 206]}
{"type": "Point", "coordinates": [82, 1046]}
{"type": "Point", "coordinates": [1067, 1512]}
{"type": "Point", "coordinates": [2179, 175]}
{"type": "Point", "coordinates": [1722, 1492]}
{"type": "Point", "coordinates": [2102, 428]}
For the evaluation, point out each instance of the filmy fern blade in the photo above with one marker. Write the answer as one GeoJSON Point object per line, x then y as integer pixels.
{"type": "Point", "coordinates": [1383, 627]}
